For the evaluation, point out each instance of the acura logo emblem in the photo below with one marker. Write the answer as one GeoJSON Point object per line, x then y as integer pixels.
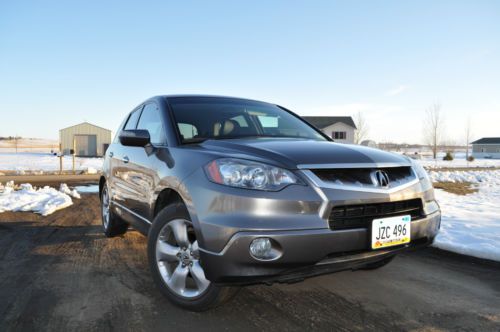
{"type": "Point", "coordinates": [380, 178]}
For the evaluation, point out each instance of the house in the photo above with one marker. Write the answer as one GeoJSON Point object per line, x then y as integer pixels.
{"type": "Point", "coordinates": [86, 139]}
{"type": "Point", "coordinates": [340, 128]}
{"type": "Point", "coordinates": [486, 147]}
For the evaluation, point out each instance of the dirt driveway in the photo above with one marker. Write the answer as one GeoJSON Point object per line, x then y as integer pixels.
{"type": "Point", "coordinates": [59, 273]}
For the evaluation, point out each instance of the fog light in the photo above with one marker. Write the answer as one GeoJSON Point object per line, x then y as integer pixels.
{"type": "Point", "coordinates": [262, 248]}
{"type": "Point", "coordinates": [431, 207]}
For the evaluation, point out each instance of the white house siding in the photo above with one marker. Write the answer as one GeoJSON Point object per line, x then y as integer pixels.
{"type": "Point", "coordinates": [66, 136]}
{"type": "Point", "coordinates": [340, 126]}
{"type": "Point", "coordinates": [486, 150]}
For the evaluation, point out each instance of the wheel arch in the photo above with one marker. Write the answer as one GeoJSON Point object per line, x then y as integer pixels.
{"type": "Point", "coordinates": [165, 197]}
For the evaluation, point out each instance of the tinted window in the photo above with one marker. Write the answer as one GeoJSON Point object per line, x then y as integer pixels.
{"type": "Point", "coordinates": [132, 120]}
{"type": "Point", "coordinates": [151, 121]}
{"type": "Point", "coordinates": [229, 118]}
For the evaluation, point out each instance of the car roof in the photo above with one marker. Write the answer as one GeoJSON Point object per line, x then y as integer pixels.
{"type": "Point", "coordinates": [208, 96]}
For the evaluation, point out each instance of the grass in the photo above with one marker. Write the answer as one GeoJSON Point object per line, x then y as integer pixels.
{"type": "Point", "coordinates": [457, 188]}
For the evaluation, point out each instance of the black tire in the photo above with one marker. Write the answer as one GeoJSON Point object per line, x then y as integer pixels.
{"type": "Point", "coordinates": [115, 225]}
{"type": "Point", "coordinates": [212, 296]}
{"type": "Point", "coordinates": [379, 264]}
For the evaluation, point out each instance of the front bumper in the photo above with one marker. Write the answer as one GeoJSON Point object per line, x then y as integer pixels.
{"type": "Point", "coordinates": [227, 219]}
{"type": "Point", "coordinates": [306, 253]}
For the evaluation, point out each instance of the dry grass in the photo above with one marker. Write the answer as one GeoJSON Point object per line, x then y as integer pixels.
{"type": "Point", "coordinates": [457, 188]}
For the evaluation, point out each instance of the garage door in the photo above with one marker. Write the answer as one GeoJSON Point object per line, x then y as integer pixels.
{"type": "Point", "coordinates": [86, 145]}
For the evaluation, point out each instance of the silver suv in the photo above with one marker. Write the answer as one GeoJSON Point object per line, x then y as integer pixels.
{"type": "Point", "coordinates": [233, 192]}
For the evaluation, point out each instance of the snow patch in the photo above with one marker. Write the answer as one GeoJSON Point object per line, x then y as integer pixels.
{"type": "Point", "coordinates": [470, 224]}
{"type": "Point", "coordinates": [479, 176]}
{"type": "Point", "coordinates": [87, 189]}
{"type": "Point", "coordinates": [43, 201]}
{"type": "Point", "coordinates": [65, 189]}
{"type": "Point", "coordinates": [91, 170]}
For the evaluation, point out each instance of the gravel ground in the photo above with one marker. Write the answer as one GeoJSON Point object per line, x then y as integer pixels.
{"type": "Point", "coordinates": [60, 273]}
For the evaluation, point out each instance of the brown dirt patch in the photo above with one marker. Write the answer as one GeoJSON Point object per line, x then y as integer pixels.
{"type": "Point", "coordinates": [457, 188]}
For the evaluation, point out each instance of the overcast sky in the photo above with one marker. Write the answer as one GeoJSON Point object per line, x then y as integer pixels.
{"type": "Point", "coordinates": [62, 63]}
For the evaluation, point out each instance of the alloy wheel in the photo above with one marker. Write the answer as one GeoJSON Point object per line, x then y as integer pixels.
{"type": "Point", "coordinates": [178, 259]}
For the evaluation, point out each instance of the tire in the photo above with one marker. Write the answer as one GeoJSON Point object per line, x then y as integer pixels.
{"type": "Point", "coordinates": [379, 264]}
{"type": "Point", "coordinates": [112, 225]}
{"type": "Point", "coordinates": [174, 260]}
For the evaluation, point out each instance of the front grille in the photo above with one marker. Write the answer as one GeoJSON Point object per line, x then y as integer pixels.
{"type": "Point", "coordinates": [363, 177]}
{"type": "Point", "coordinates": [360, 216]}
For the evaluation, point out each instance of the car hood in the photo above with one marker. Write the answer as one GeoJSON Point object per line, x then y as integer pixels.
{"type": "Point", "coordinates": [298, 153]}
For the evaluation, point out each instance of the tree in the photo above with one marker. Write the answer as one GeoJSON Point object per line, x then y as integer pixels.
{"type": "Point", "coordinates": [433, 127]}
{"type": "Point", "coordinates": [468, 137]}
{"type": "Point", "coordinates": [362, 128]}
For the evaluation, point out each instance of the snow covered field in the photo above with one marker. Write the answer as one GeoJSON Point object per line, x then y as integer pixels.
{"type": "Point", "coordinates": [459, 161]}
{"type": "Point", "coordinates": [45, 162]}
{"type": "Point", "coordinates": [471, 223]}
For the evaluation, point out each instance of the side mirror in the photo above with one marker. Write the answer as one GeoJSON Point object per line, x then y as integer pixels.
{"type": "Point", "coordinates": [138, 137]}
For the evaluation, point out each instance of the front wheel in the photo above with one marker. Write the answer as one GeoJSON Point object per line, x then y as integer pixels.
{"type": "Point", "coordinates": [174, 260]}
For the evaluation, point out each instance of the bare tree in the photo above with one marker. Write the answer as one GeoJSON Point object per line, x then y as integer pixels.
{"type": "Point", "coordinates": [433, 127]}
{"type": "Point", "coordinates": [468, 137]}
{"type": "Point", "coordinates": [362, 128]}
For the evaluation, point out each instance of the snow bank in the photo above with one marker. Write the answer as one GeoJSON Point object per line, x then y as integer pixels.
{"type": "Point", "coordinates": [479, 176]}
{"type": "Point", "coordinates": [44, 200]}
{"type": "Point", "coordinates": [470, 224]}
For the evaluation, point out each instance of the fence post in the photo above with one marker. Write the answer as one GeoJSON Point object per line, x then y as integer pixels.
{"type": "Point", "coordinates": [60, 159]}
{"type": "Point", "coordinates": [74, 152]}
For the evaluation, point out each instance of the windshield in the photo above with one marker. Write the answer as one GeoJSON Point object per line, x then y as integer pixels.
{"type": "Point", "coordinates": [202, 118]}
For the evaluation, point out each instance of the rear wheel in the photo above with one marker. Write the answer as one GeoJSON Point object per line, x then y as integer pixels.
{"type": "Point", "coordinates": [112, 225]}
{"type": "Point", "coordinates": [174, 259]}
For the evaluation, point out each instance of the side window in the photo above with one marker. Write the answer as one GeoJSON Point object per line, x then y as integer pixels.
{"type": "Point", "coordinates": [187, 130]}
{"type": "Point", "coordinates": [268, 121]}
{"type": "Point", "coordinates": [132, 120]}
{"type": "Point", "coordinates": [151, 121]}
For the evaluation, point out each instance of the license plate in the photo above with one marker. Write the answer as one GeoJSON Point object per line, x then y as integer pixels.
{"type": "Point", "coordinates": [392, 231]}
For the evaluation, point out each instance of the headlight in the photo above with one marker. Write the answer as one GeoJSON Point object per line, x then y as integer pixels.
{"type": "Point", "coordinates": [249, 174]}
{"type": "Point", "coordinates": [422, 175]}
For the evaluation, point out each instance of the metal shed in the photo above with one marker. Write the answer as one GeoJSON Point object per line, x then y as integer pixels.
{"type": "Point", "coordinates": [87, 139]}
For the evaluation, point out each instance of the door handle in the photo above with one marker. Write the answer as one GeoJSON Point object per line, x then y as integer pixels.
{"type": "Point", "coordinates": [111, 154]}
{"type": "Point", "coordinates": [126, 159]}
